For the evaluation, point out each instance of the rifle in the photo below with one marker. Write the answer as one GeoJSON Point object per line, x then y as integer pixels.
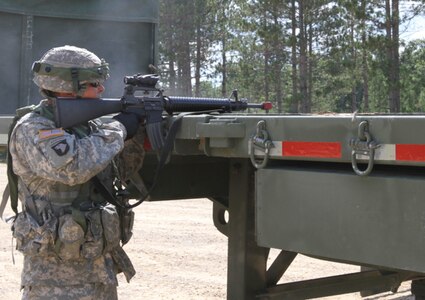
{"type": "Point", "coordinates": [151, 107]}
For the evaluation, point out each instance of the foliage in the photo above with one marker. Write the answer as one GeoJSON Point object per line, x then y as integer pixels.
{"type": "Point", "coordinates": [306, 55]}
{"type": "Point", "coordinates": [413, 77]}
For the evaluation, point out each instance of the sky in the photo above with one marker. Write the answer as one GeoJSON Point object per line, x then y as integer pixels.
{"type": "Point", "coordinates": [415, 29]}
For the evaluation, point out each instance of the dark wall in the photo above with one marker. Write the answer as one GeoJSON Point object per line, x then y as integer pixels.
{"type": "Point", "coordinates": [128, 46]}
{"type": "Point", "coordinates": [10, 49]}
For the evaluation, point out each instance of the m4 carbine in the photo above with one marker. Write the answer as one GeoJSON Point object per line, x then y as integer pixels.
{"type": "Point", "coordinates": [151, 108]}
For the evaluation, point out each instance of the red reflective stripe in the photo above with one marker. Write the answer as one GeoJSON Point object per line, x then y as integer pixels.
{"type": "Point", "coordinates": [410, 152]}
{"type": "Point", "coordinates": [312, 149]}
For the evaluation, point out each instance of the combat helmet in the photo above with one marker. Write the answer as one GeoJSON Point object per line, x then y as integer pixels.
{"type": "Point", "coordinates": [68, 69]}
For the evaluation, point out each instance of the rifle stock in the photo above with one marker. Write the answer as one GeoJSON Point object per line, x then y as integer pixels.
{"type": "Point", "coordinates": [72, 112]}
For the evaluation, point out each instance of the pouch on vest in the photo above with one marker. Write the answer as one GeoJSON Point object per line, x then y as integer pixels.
{"type": "Point", "coordinates": [93, 244]}
{"type": "Point", "coordinates": [71, 237]}
{"type": "Point", "coordinates": [126, 223]}
{"type": "Point", "coordinates": [31, 238]}
{"type": "Point", "coordinates": [111, 227]}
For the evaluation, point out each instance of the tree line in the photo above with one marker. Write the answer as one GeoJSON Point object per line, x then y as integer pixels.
{"type": "Point", "coordinates": [302, 55]}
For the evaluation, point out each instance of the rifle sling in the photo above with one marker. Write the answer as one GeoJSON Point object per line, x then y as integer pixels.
{"type": "Point", "coordinates": [101, 188]}
{"type": "Point", "coordinates": [163, 158]}
{"type": "Point", "coordinates": [166, 151]}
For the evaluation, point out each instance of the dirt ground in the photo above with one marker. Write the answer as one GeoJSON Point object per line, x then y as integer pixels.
{"type": "Point", "coordinates": [178, 254]}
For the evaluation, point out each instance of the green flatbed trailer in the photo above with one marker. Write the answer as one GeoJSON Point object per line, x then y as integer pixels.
{"type": "Point", "coordinates": [343, 188]}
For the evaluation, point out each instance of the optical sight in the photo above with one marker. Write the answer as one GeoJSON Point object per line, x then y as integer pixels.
{"type": "Point", "coordinates": [139, 80]}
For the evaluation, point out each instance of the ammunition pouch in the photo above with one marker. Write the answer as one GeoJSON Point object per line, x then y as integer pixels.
{"type": "Point", "coordinates": [32, 238]}
{"type": "Point", "coordinates": [70, 238]}
{"type": "Point", "coordinates": [118, 205]}
{"type": "Point", "coordinates": [126, 216]}
{"type": "Point", "coordinates": [111, 225]}
{"type": "Point", "coordinates": [93, 243]}
{"type": "Point", "coordinates": [65, 236]}
{"type": "Point", "coordinates": [118, 225]}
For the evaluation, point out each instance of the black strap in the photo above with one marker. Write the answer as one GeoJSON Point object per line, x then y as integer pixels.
{"type": "Point", "coordinates": [11, 189]}
{"type": "Point", "coordinates": [101, 188]}
{"type": "Point", "coordinates": [11, 176]}
{"type": "Point", "coordinates": [163, 157]}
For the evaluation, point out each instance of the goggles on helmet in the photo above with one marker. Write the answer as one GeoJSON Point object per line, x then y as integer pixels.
{"type": "Point", "coordinates": [70, 74]}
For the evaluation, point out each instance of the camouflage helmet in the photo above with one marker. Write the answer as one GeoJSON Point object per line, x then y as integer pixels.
{"type": "Point", "coordinates": [67, 69]}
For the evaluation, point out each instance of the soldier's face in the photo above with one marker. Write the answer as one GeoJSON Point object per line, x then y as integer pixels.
{"type": "Point", "coordinates": [93, 91]}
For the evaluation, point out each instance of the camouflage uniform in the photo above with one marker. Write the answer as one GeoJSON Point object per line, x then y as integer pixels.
{"type": "Point", "coordinates": [68, 233]}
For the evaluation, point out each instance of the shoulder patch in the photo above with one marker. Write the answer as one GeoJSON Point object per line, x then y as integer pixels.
{"type": "Point", "coordinates": [61, 147]}
{"type": "Point", "coordinates": [50, 133]}
{"type": "Point", "coordinates": [59, 150]}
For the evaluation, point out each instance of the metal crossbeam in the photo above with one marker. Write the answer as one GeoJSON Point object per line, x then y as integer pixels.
{"type": "Point", "coordinates": [334, 285]}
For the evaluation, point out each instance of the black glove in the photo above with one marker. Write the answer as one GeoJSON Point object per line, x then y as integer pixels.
{"type": "Point", "coordinates": [131, 122]}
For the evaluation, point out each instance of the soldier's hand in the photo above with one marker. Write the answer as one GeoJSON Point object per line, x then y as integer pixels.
{"type": "Point", "coordinates": [131, 122]}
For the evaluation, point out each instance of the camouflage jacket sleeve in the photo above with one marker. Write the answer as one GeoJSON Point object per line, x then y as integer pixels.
{"type": "Point", "coordinates": [39, 149]}
{"type": "Point", "coordinates": [130, 160]}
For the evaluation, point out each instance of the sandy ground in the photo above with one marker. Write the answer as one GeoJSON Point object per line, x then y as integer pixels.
{"type": "Point", "coordinates": [178, 254]}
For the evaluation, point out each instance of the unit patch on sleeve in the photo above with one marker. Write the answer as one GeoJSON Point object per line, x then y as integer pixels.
{"type": "Point", "coordinates": [60, 150]}
{"type": "Point", "coordinates": [50, 133]}
{"type": "Point", "coordinates": [61, 147]}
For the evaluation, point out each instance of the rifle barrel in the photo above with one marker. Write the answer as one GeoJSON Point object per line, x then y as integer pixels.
{"type": "Point", "coordinates": [183, 104]}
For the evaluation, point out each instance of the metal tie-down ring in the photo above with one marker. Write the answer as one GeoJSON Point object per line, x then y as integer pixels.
{"type": "Point", "coordinates": [260, 141]}
{"type": "Point", "coordinates": [363, 145]}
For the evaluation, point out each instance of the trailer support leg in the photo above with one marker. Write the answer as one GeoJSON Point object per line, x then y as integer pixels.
{"type": "Point", "coordinates": [279, 267]}
{"type": "Point", "coordinates": [246, 271]}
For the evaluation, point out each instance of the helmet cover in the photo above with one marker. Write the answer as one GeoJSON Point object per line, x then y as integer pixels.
{"type": "Point", "coordinates": [67, 68]}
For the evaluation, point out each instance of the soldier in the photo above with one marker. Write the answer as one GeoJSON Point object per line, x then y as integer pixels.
{"type": "Point", "coordinates": [68, 232]}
